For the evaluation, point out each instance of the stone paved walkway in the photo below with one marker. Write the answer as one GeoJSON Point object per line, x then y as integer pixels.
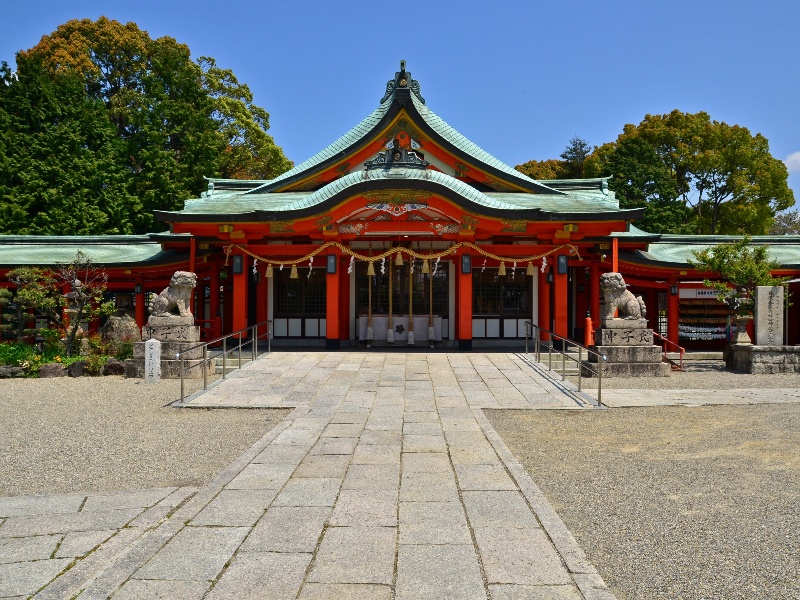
{"type": "Point", "coordinates": [386, 481]}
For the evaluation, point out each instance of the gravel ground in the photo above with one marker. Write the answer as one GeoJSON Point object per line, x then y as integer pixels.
{"type": "Point", "coordinates": [111, 433]}
{"type": "Point", "coordinates": [673, 502]}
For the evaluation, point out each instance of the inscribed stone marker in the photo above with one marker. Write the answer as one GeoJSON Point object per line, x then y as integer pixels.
{"type": "Point", "coordinates": [152, 361]}
{"type": "Point", "coordinates": [769, 315]}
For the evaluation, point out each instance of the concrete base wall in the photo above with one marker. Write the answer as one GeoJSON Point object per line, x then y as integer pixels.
{"type": "Point", "coordinates": [748, 358]}
{"type": "Point", "coordinates": [628, 370]}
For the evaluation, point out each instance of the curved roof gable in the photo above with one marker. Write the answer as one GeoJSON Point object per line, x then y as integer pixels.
{"type": "Point", "coordinates": [403, 93]}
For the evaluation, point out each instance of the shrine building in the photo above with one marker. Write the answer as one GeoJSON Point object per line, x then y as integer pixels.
{"type": "Point", "coordinates": [404, 232]}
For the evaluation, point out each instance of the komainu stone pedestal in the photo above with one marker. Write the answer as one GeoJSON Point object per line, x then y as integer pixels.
{"type": "Point", "coordinates": [628, 347]}
{"type": "Point", "coordinates": [177, 335]}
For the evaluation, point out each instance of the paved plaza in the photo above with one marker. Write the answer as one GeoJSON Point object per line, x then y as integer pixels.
{"type": "Point", "coordinates": [385, 481]}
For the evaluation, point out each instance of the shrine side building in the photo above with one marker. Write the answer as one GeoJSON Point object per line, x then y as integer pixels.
{"type": "Point", "coordinates": [403, 231]}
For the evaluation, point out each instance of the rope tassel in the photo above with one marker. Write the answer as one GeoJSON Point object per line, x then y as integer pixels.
{"type": "Point", "coordinates": [370, 269]}
{"type": "Point", "coordinates": [502, 270]}
{"type": "Point", "coordinates": [293, 274]}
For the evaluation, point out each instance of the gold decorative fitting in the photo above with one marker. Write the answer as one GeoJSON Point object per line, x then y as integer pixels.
{"type": "Point", "coordinates": [370, 269]}
{"type": "Point", "coordinates": [281, 226]}
{"type": "Point", "coordinates": [502, 270]}
{"type": "Point", "coordinates": [518, 226]}
{"type": "Point", "coordinates": [399, 260]}
{"type": "Point", "coordinates": [225, 228]}
{"type": "Point", "coordinates": [293, 274]}
{"type": "Point", "coordinates": [237, 235]}
{"type": "Point", "coordinates": [530, 270]}
{"type": "Point", "coordinates": [202, 246]}
{"type": "Point", "coordinates": [571, 227]}
{"type": "Point", "coordinates": [269, 270]}
{"type": "Point", "coordinates": [426, 266]}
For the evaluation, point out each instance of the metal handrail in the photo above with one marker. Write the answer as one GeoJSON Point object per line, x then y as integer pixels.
{"type": "Point", "coordinates": [534, 331]}
{"type": "Point", "coordinates": [253, 341]}
{"type": "Point", "coordinates": [666, 341]}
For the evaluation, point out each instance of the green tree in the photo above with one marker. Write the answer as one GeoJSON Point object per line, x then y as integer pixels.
{"type": "Point", "coordinates": [742, 265]}
{"type": "Point", "coordinates": [640, 179]}
{"type": "Point", "coordinates": [176, 121]}
{"type": "Point", "coordinates": [725, 175]}
{"type": "Point", "coordinates": [571, 165]}
{"type": "Point", "coordinates": [574, 156]}
{"type": "Point", "coordinates": [43, 290]}
{"type": "Point", "coordinates": [62, 167]}
{"type": "Point", "coordinates": [542, 170]}
{"type": "Point", "coordinates": [250, 152]}
{"type": "Point", "coordinates": [786, 223]}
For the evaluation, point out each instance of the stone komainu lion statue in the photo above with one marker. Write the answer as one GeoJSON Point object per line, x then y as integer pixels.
{"type": "Point", "coordinates": [617, 297]}
{"type": "Point", "coordinates": [176, 295]}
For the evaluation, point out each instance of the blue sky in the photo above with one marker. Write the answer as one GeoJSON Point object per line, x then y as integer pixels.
{"type": "Point", "coordinates": [519, 79]}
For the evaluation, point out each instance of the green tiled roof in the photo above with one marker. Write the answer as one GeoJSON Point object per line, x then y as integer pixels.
{"type": "Point", "coordinates": [555, 203]}
{"type": "Point", "coordinates": [579, 202]}
{"type": "Point", "coordinates": [677, 249]}
{"type": "Point", "coordinates": [109, 251]}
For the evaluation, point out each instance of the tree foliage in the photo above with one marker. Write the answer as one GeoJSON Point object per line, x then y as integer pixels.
{"type": "Point", "coordinates": [68, 295]}
{"type": "Point", "coordinates": [62, 166]}
{"type": "Point", "coordinates": [741, 264]}
{"type": "Point", "coordinates": [139, 115]}
{"type": "Point", "coordinates": [570, 166]}
{"type": "Point", "coordinates": [695, 175]}
{"type": "Point", "coordinates": [786, 223]}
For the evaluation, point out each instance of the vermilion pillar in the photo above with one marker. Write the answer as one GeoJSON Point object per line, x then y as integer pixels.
{"type": "Point", "coordinates": [544, 304]}
{"type": "Point", "coordinates": [615, 255]}
{"type": "Point", "coordinates": [192, 261]}
{"type": "Point", "coordinates": [332, 324]}
{"type": "Point", "coordinates": [141, 309]}
{"type": "Point", "coordinates": [673, 310]}
{"type": "Point", "coordinates": [213, 307]}
{"type": "Point", "coordinates": [464, 308]}
{"type": "Point", "coordinates": [560, 304]}
{"type": "Point", "coordinates": [262, 303]}
{"type": "Point", "coordinates": [344, 299]}
{"type": "Point", "coordinates": [239, 316]}
{"type": "Point", "coordinates": [594, 292]}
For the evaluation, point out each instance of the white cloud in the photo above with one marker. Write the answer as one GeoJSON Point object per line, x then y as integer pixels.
{"type": "Point", "coordinates": [793, 162]}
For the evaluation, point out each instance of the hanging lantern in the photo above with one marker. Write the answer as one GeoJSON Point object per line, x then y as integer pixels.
{"type": "Point", "coordinates": [293, 274]}
{"type": "Point", "coordinates": [530, 268]}
{"type": "Point", "coordinates": [269, 269]}
{"type": "Point", "coordinates": [502, 270]}
{"type": "Point", "coordinates": [426, 267]}
{"type": "Point", "coordinates": [399, 260]}
{"type": "Point", "coordinates": [370, 269]}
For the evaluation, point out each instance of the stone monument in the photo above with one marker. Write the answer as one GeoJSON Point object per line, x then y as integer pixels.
{"type": "Point", "coordinates": [626, 341]}
{"type": "Point", "coordinates": [768, 354]}
{"type": "Point", "coordinates": [177, 332]}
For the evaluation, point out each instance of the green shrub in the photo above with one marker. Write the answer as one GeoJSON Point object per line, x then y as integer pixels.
{"type": "Point", "coordinates": [14, 354]}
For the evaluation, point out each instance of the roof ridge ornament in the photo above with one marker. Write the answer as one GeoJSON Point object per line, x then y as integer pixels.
{"type": "Point", "coordinates": [402, 79]}
{"type": "Point", "coordinates": [396, 156]}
